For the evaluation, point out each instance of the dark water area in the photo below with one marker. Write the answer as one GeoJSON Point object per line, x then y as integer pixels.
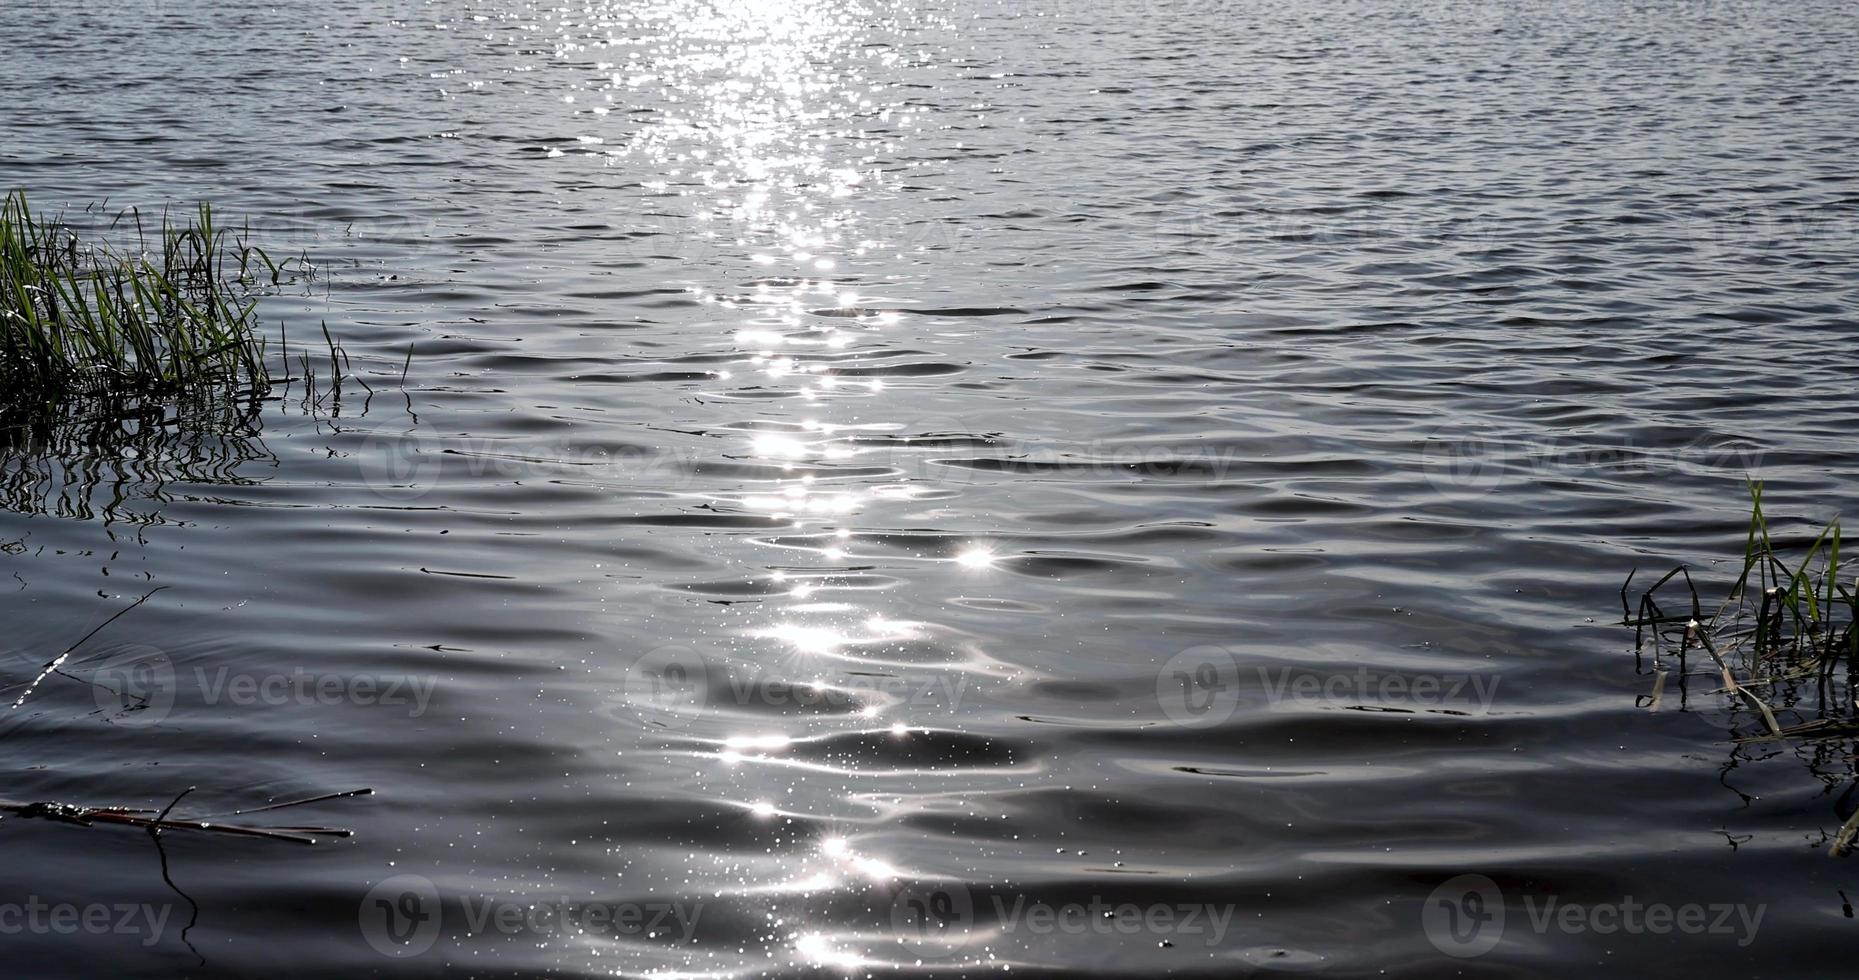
{"type": "Point", "coordinates": [969, 488]}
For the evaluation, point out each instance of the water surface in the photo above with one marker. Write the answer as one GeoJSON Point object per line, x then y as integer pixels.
{"type": "Point", "coordinates": [865, 458]}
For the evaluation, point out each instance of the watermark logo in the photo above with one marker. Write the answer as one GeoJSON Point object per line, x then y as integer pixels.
{"type": "Point", "coordinates": [1743, 234]}
{"type": "Point", "coordinates": [120, 13]}
{"type": "Point", "coordinates": [940, 450]}
{"type": "Point", "coordinates": [854, 693]}
{"type": "Point", "coordinates": [135, 687]}
{"type": "Point", "coordinates": [1368, 687]}
{"type": "Point", "coordinates": [138, 686]}
{"type": "Point", "coordinates": [934, 918]}
{"type": "Point", "coordinates": [303, 687]}
{"type": "Point", "coordinates": [1199, 687]}
{"type": "Point", "coordinates": [1461, 461]}
{"type": "Point", "coordinates": [1718, 454]}
{"type": "Point", "coordinates": [1237, 230]}
{"type": "Point", "coordinates": [1464, 917]}
{"type": "Point", "coordinates": [400, 916]}
{"type": "Point", "coordinates": [399, 467]}
{"type": "Point", "coordinates": [1099, 917]}
{"type": "Point", "coordinates": [937, 918]}
{"type": "Point", "coordinates": [403, 917]}
{"type": "Point", "coordinates": [408, 466]}
{"type": "Point", "coordinates": [37, 917]}
{"type": "Point", "coordinates": [670, 685]}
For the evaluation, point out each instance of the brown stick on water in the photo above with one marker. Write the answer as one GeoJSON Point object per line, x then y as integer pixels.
{"type": "Point", "coordinates": [85, 816]}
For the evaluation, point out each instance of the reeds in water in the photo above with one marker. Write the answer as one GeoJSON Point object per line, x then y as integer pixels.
{"type": "Point", "coordinates": [1789, 620]}
{"type": "Point", "coordinates": [1785, 642]}
{"type": "Point", "coordinates": [173, 316]}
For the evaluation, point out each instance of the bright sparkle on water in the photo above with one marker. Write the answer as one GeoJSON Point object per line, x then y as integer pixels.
{"type": "Point", "coordinates": [976, 556]}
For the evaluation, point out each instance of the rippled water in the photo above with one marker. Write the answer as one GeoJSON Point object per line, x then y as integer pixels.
{"type": "Point", "coordinates": [866, 473]}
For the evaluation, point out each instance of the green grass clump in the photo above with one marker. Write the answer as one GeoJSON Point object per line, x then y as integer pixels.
{"type": "Point", "coordinates": [1802, 616]}
{"type": "Point", "coordinates": [1787, 618]}
{"type": "Point", "coordinates": [1785, 644]}
{"type": "Point", "coordinates": [175, 315]}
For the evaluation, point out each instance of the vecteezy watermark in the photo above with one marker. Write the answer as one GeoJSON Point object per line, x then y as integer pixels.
{"type": "Point", "coordinates": [1721, 233]}
{"type": "Point", "coordinates": [319, 239]}
{"type": "Point", "coordinates": [401, 466]}
{"type": "Point", "coordinates": [1466, 460]}
{"type": "Point", "coordinates": [121, 14]}
{"type": "Point", "coordinates": [302, 687]}
{"type": "Point", "coordinates": [1206, 232]}
{"type": "Point", "coordinates": [36, 917]}
{"type": "Point", "coordinates": [936, 918]}
{"type": "Point", "coordinates": [1202, 686]}
{"type": "Point", "coordinates": [945, 451]}
{"type": "Point", "coordinates": [1465, 917]}
{"type": "Point", "coordinates": [138, 686]}
{"type": "Point", "coordinates": [400, 916]}
{"type": "Point", "coordinates": [669, 683]}
{"type": "Point", "coordinates": [135, 686]}
{"type": "Point", "coordinates": [673, 685]}
{"type": "Point", "coordinates": [403, 917]}
{"type": "Point", "coordinates": [1199, 687]}
{"type": "Point", "coordinates": [1741, 233]}
{"type": "Point", "coordinates": [1367, 687]}
{"type": "Point", "coordinates": [407, 465]}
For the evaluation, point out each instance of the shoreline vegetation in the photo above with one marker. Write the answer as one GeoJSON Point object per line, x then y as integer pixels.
{"type": "Point", "coordinates": [1784, 643]}
{"type": "Point", "coordinates": [138, 348]}
{"type": "Point", "coordinates": [174, 316]}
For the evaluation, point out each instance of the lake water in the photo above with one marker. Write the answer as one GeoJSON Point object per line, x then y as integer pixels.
{"type": "Point", "coordinates": [967, 488]}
